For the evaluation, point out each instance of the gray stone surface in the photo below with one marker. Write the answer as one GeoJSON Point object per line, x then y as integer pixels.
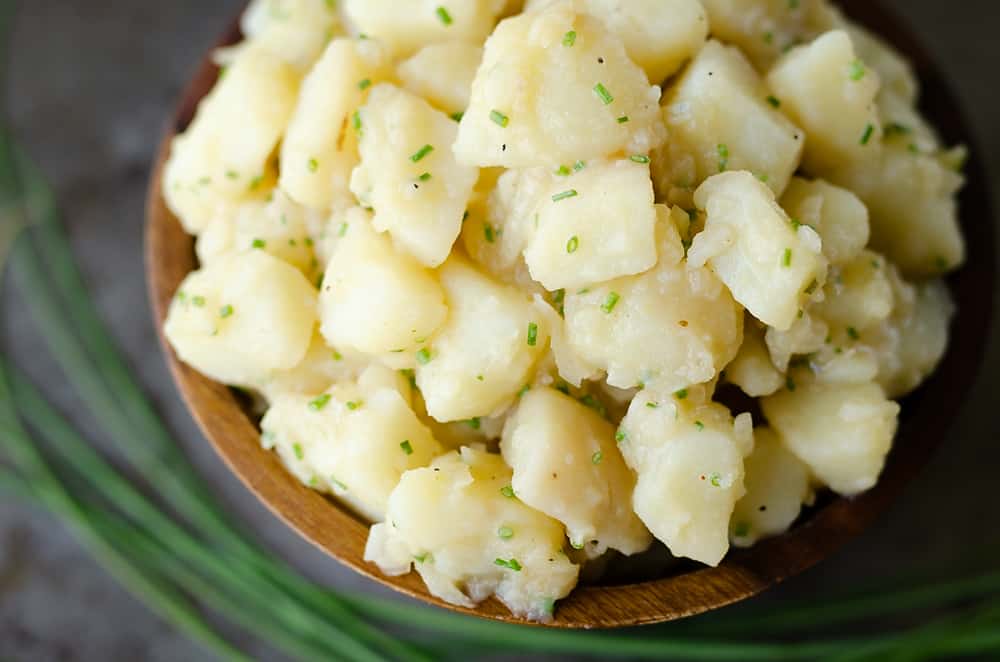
{"type": "Point", "coordinates": [93, 84]}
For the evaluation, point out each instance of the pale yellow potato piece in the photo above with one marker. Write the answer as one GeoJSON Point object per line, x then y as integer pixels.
{"type": "Point", "coordinates": [442, 74]}
{"type": "Point", "coordinates": [752, 369]}
{"type": "Point", "coordinates": [893, 69]}
{"type": "Point", "coordinates": [354, 440]}
{"type": "Point", "coordinates": [566, 464]}
{"type": "Point", "coordinates": [777, 484]}
{"type": "Point", "coordinates": [914, 213]}
{"type": "Point", "coordinates": [538, 102]}
{"type": "Point", "coordinates": [408, 27]}
{"type": "Point", "coordinates": [806, 335]}
{"type": "Point", "coordinates": [843, 432]}
{"type": "Point", "coordinates": [689, 459]}
{"type": "Point", "coordinates": [718, 118]}
{"type": "Point", "coordinates": [659, 35]}
{"type": "Point", "coordinates": [828, 91]}
{"type": "Point", "coordinates": [320, 148]}
{"type": "Point", "coordinates": [242, 317]}
{"type": "Point", "coordinates": [375, 299]}
{"type": "Point", "coordinates": [483, 354]}
{"type": "Point", "coordinates": [469, 541]}
{"type": "Point", "coordinates": [593, 225]}
{"type": "Point", "coordinates": [751, 245]}
{"type": "Point", "coordinates": [293, 30]}
{"type": "Point", "coordinates": [835, 213]}
{"type": "Point", "coordinates": [764, 29]}
{"type": "Point", "coordinates": [620, 326]}
{"type": "Point", "coordinates": [319, 369]}
{"type": "Point", "coordinates": [419, 195]}
{"type": "Point", "coordinates": [222, 157]}
{"type": "Point", "coordinates": [858, 294]}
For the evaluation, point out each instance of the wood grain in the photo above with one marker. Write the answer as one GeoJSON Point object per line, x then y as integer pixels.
{"type": "Point", "coordinates": [687, 590]}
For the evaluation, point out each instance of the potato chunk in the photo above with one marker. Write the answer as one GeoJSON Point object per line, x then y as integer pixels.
{"type": "Point", "coordinates": [566, 464]}
{"type": "Point", "coordinates": [858, 295]}
{"type": "Point", "coordinates": [375, 299]}
{"type": "Point", "coordinates": [354, 440]}
{"type": "Point", "coordinates": [718, 118]}
{"type": "Point", "coordinates": [835, 213]}
{"type": "Point", "coordinates": [777, 485]}
{"type": "Point", "coordinates": [689, 459]}
{"type": "Point", "coordinates": [242, 317]}
{"type": "Point", "coordinates": [830, 93]}
{"type": "Point", "coordinates": [408, 27]}
{"type": "Point", "coordinates": [319, 369]}
{"type": "Point", "coordinates": [469, 537]}
{"type": "Point", "coordinates": [593, 225]}
{"type": "Point", "coordinates": [555, 87]}
{"type": "Point", "coordinates": [483, 355]}
{"type": "Point", "coordinates": [320, 149]}
{"type": "Point", "coordinates": [752, 246]}
{"type": "Point", "coordinates": [443, 74]}
{"type": "Point", "coordinates": [619, 326]}
{"type": "Point", "coordinates": [409, 175]}
{"type": "Point", "coordinates": [843, 432]}
{"type": "Point", "coordinates": [659, 35]}
{"type": "Point", "coordinates": [295, 30]}
{"type": "Point", "coordinates": [752, 369]}
{"type": "Point", "coordinates": [222, 156]}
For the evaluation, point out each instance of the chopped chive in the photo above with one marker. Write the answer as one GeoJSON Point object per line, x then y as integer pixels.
{"type": "Point", "coordinates": [232, 174]}
{"type": "Point", "coordinates": [511, 564]}
{"type": "Point", "coordinates": [406, 446]}
{"type": "Point", "coordinates": [774, 101]}
{"type": "Point", "coordinates": [786, 258]}
{"type": "Point", "coordinates": [507, 491]}
{"type": "Point", "coordinates": [225, 311]}
{"type": "Point", "coordinates": [723, 151]}
{"type": "Point", "coordinates": [532, 334]}
{"type": "Point", "coordinates": [741, 530]}
{"type": "Point", "coordinates": [458, 116]}
{"type": "Point", "coordinates": [603, 94]}
{"type": "Point", "coordinates": [505, 533]}
{"type": "Point", "coordinates": [480, 378]}
{"type": "Point", "coordinates": [572, 244]}
{"type": "Point", "coordinates": [571, 193]}
{"type": "Point", "coordinates": [474, 423]}
{"type": "Point", "coordinates": [653, 405]}
{"type": "Point", "coordinates": [622, 120]}
{"type": "Point", "coordinates": [764, 177]}
{"type": "Point", "coordinates": [356, 120]}
{"type": "Point", "coordinates": [639, 158]}
{"type": "Point", "coordinates": [337, 356]}
{"type": "Point", "coordinates": [421, 153]}
{"type": "Point", "coordinates": [699, 425]}
{"type": "Point", "coordinates": [297, 449]}
{"type": "Point", "coordinates": [597, 457]}
{"type": "Point", "coordinates": [569, 38]}
{"type": "Point", "coordinates": [443, 15]}
{"type": "Point", "coordinates": [313, 165]}
{"type": "Point", "coordinates": [364, 84]}
{"type": "Point", "coordinates": [620, 435]}
{"type": "Point", "coordinates": [893, 128]}
{"type": "Point", "coordinates": [563, 171]}
{"type": "Point", "coordinates": [867, 135]}
{"type": "Point", "coordinates": [524, 389]}
{"type": "Point", "coordinates": [812, 286]}
{"type": "Point", "coordinates": [353, 406]}
{"type": "Point", "coordinates": [424, 356]}
{"type": "Point", "coordinates": [714, 479]}
{"type": "Point", "coordinates": [342, 229]}
{"type": "Point", "coordinates": [198, 301]}
{"type": "Point", "coordinates": [853, 333]}
{"type": "Point", "coordinates": [320, 402]}
{"type": "Point", "coordinates": [338, 484]}
{"type": "Point", "coordinates": [499, 118]}
{"type": "Point", "coordinates": [489, 233]}
{"type": "Point", "coordinates": [857, 70]}
{"type": "Point", "coordinates": [610, 302]}
{"type": "Point", "coordinates": [258, 243]}
{"type": "Point", "coordinates": [420, 558]}
{"type": "Point", "coordinates": [579, 165]}
{"type": "Point", "coordinates": [790, 383]}
{"type": "Point", "coordinates": [681, 394]}
{"type": "Point", "coordinates": [424, 176]}
{"type": "Point", "coordinates": [256, 182]}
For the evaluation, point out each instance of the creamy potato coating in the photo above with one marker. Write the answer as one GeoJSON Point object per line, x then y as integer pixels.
{"type": "Point", "coordinates": [294, 30]}
{"type": "Point", "coordinates": [408, 173]}
{"type": "Point", "coordinates": [502, 547]}
{"type": "Point", "coordinates": [442, 74]}
{"type": "Point", "coordinates": [567, 465]}
{"type": "Point", "coordinates": [556, 87]}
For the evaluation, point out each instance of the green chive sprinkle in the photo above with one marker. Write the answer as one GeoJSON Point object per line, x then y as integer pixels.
{"type": "Point", "coordinates": [857, 70]}
{"type": "Point", "coordinates": [421, 153]}
{"type": "Point", "coordinates": [489, 233]}
{"type": "Point", "coordinates": [507, 491]}
{"type": "Point", "coordinates": [353, 406]}
{"type": "Point", "coordinates": [338, 484]}
{"type": "Point", "coordinates": [364, 84]}
{"type": "Point", "coordinates": [571, 193]}
{"type": "Point", "coordinates": [320, 402]}
{"type": "Point", "coordinates": [356, 120]}
{"type": "Point", "coordinates": [337, 356]}
{"type": "Point", "coordinates": [474, 423]}
{"type": "Point", "coordinates": [258, 243]}
{"type": "Point", "coordinates": [424, 176]}
{"type": "Point", "coordinates": [893, 128]}
{"type": "Point", "coordinates": [505, 533]}
{"type": "Point", "coordinates": [741, 530]}
{"type": "Point", "coordinates": [480, 378]}
{"type": "Point", "coordinates": [407, 447]}
{"type": "Point", "coordinates": [532, 334]}
{"type": "Point", "coordinates": [790, 383]}
{"type": "Point", "coordinates": [812, 286]}
{"type": "Point", "coordinates": [424, 356]}
{"type": "Point", "coordinates": [232, 174]}
{"type": "Point", "coordinates": [420, 558]}
{"type": "Point", "coordinates": [714, 480]}
{"type": "Point", "coordinates": [342, 229]}
{"type": "Point", "coordinates": [723, 151]}
{"type": "Point", "coordinates": [622, 120]}
{"type": "Point", "coordinates": [597, 457]}
{"type": "Point", "coordinates": [572, 244]}
{"type": "Point", "coordinates": [225, 311]}
{"type": "Point", "coordinates": [579, 165]}
{"type": "Point", "coordinates": [569, 38]}
{"type": "Point", "coordinates": [603, 94]}
{"type": "Point", "coordinates": [563, 171]}
{"type": "Point", "coordinates": [652, 405]}
{"type": "Point", "coordinates": [786, 258]}
{"type": "Point", "coordinates": [499, 118]}
{"type": "Point", "coordinates": [457, 116]}
{"type": "Point", "coordinates": [524, 389]}
{"type": "Point", "coordinates": [681, 394]}
{"type": "Point", "coordinates": [774, 101]}
{"type": "Point", "coordinates": [297, 449]}
{"type": "Point", "coordinates": [620, 435]}
{"type": "Point", "coordinates": [699, 425]}
{"type": "Point", "coordinates": [639, 158]}
{"type": "Point", "coordinates": [313, 165]}
{"type": "Point", "coordinates": [610, 302]}
{"type": "Point", "coordinates": [511, 564]}
{"type": "Point", "coordinates": [853, 333]}
{"type": "Point", "coordinates": [867, 135]}
{"type": "Point", "coordinates": [443, 15]}
{"type": "Point", "coordinates": [198, 301]}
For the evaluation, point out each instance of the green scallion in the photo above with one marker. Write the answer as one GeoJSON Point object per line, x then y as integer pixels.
{"type": "Point", "coordinates": [499, 118]}
{"type": "Point", "coordinates": [443, 15]}
{"type": "Point", "coordinates": [571, 193]}
{"type": "Point", "coordinates": [421, 153]}
{"type": "Point", "coordinates": [610, 302]}
{"type": "Point", "coordinates": [603, 94]}
{"type": "Point", "coordinates": [406, 447]}
{"type": "Point", "coordinates": [532, 334]}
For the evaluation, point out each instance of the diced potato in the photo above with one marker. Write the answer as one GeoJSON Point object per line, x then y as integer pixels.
{"type": "Point", "coordinates": [806, 335]}
{"type": "Point", "coordinates": [376, 300]}
{"type": "Point", "coordinates": [222, 157]}
{"type": "Point", "coordinates": [620, 326]}
{"type": "Point", "coordinates": [442, 74]}
{"type": "Point", "coordinates": [576, 243]}
{"type": "Point", "coordinates": [242, 317]}
{"type": "Point", "coordinates": [320, 149]}
{"type": "Point", "coordinates": [468, 539]}
{"type": "Point", "coordinates": [566, 464]}
{"type": "Point", "coordinates": [719, 118]}
{"type": "Point", "coordinates": [689, 459]}
{"type": "Point", "coordinates": [570, 367]}
{"type": "Point", "coordinates": [279, 227]}
{"type": "Point", "coordinates": [768, 264]}
{"type": "Point", "coordinates": [752, 369]}
{"type": "Point", "coordinates": [408, 27]}
{"type": "Point", "coordinates": [355, 440]}
{"type": "Point", "coordinates": [764, 29]}
{"type": "Point", "coordinates": [409, 175]}
{"type": "Point", "coordinates": [843, 432]}
{"type": "Point", "coordinates": [893, 69]}
{"type": "Point", "coordinates": [319, 369]}
{"type": "Point", "coordinates": [777, 485]}
{"type": "Point", "coordinates": [835, 213]}
{"type": "Point", "coordinates": [830, 93]}
{"type": "Point", "coordinates": [659, 35]}
{"type": "Point", "coordinates": [858, 294]}
{"type": "Point", "coordinates": [914, 213]}
{"type": "Point", "coordinates": [294, 30]}
{"type": "Point", "coordinates": [483, 355]}
{"type": "Point", "coordinates": [539, 102]}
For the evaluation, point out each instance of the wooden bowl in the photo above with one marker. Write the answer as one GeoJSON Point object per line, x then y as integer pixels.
{"type": "Point", "coordinates": [686, 589]}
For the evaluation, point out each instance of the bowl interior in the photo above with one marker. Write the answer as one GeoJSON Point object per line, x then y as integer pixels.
{"type": "Point", "coordinates": [657, 592]}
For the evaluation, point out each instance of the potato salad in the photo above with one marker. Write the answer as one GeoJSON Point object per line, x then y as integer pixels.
{"type": "Point", "coordinates": [531, 285]}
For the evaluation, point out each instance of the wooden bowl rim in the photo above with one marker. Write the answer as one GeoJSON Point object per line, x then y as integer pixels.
{"type": "Point", "coordinates": [743, 573]}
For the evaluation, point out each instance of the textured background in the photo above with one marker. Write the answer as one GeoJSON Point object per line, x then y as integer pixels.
{"type": "Point", "coordinates": [94, 81]}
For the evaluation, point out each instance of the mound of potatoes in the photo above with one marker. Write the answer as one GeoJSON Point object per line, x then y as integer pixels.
{"type": "Point", "coordinates": [498, 270]}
